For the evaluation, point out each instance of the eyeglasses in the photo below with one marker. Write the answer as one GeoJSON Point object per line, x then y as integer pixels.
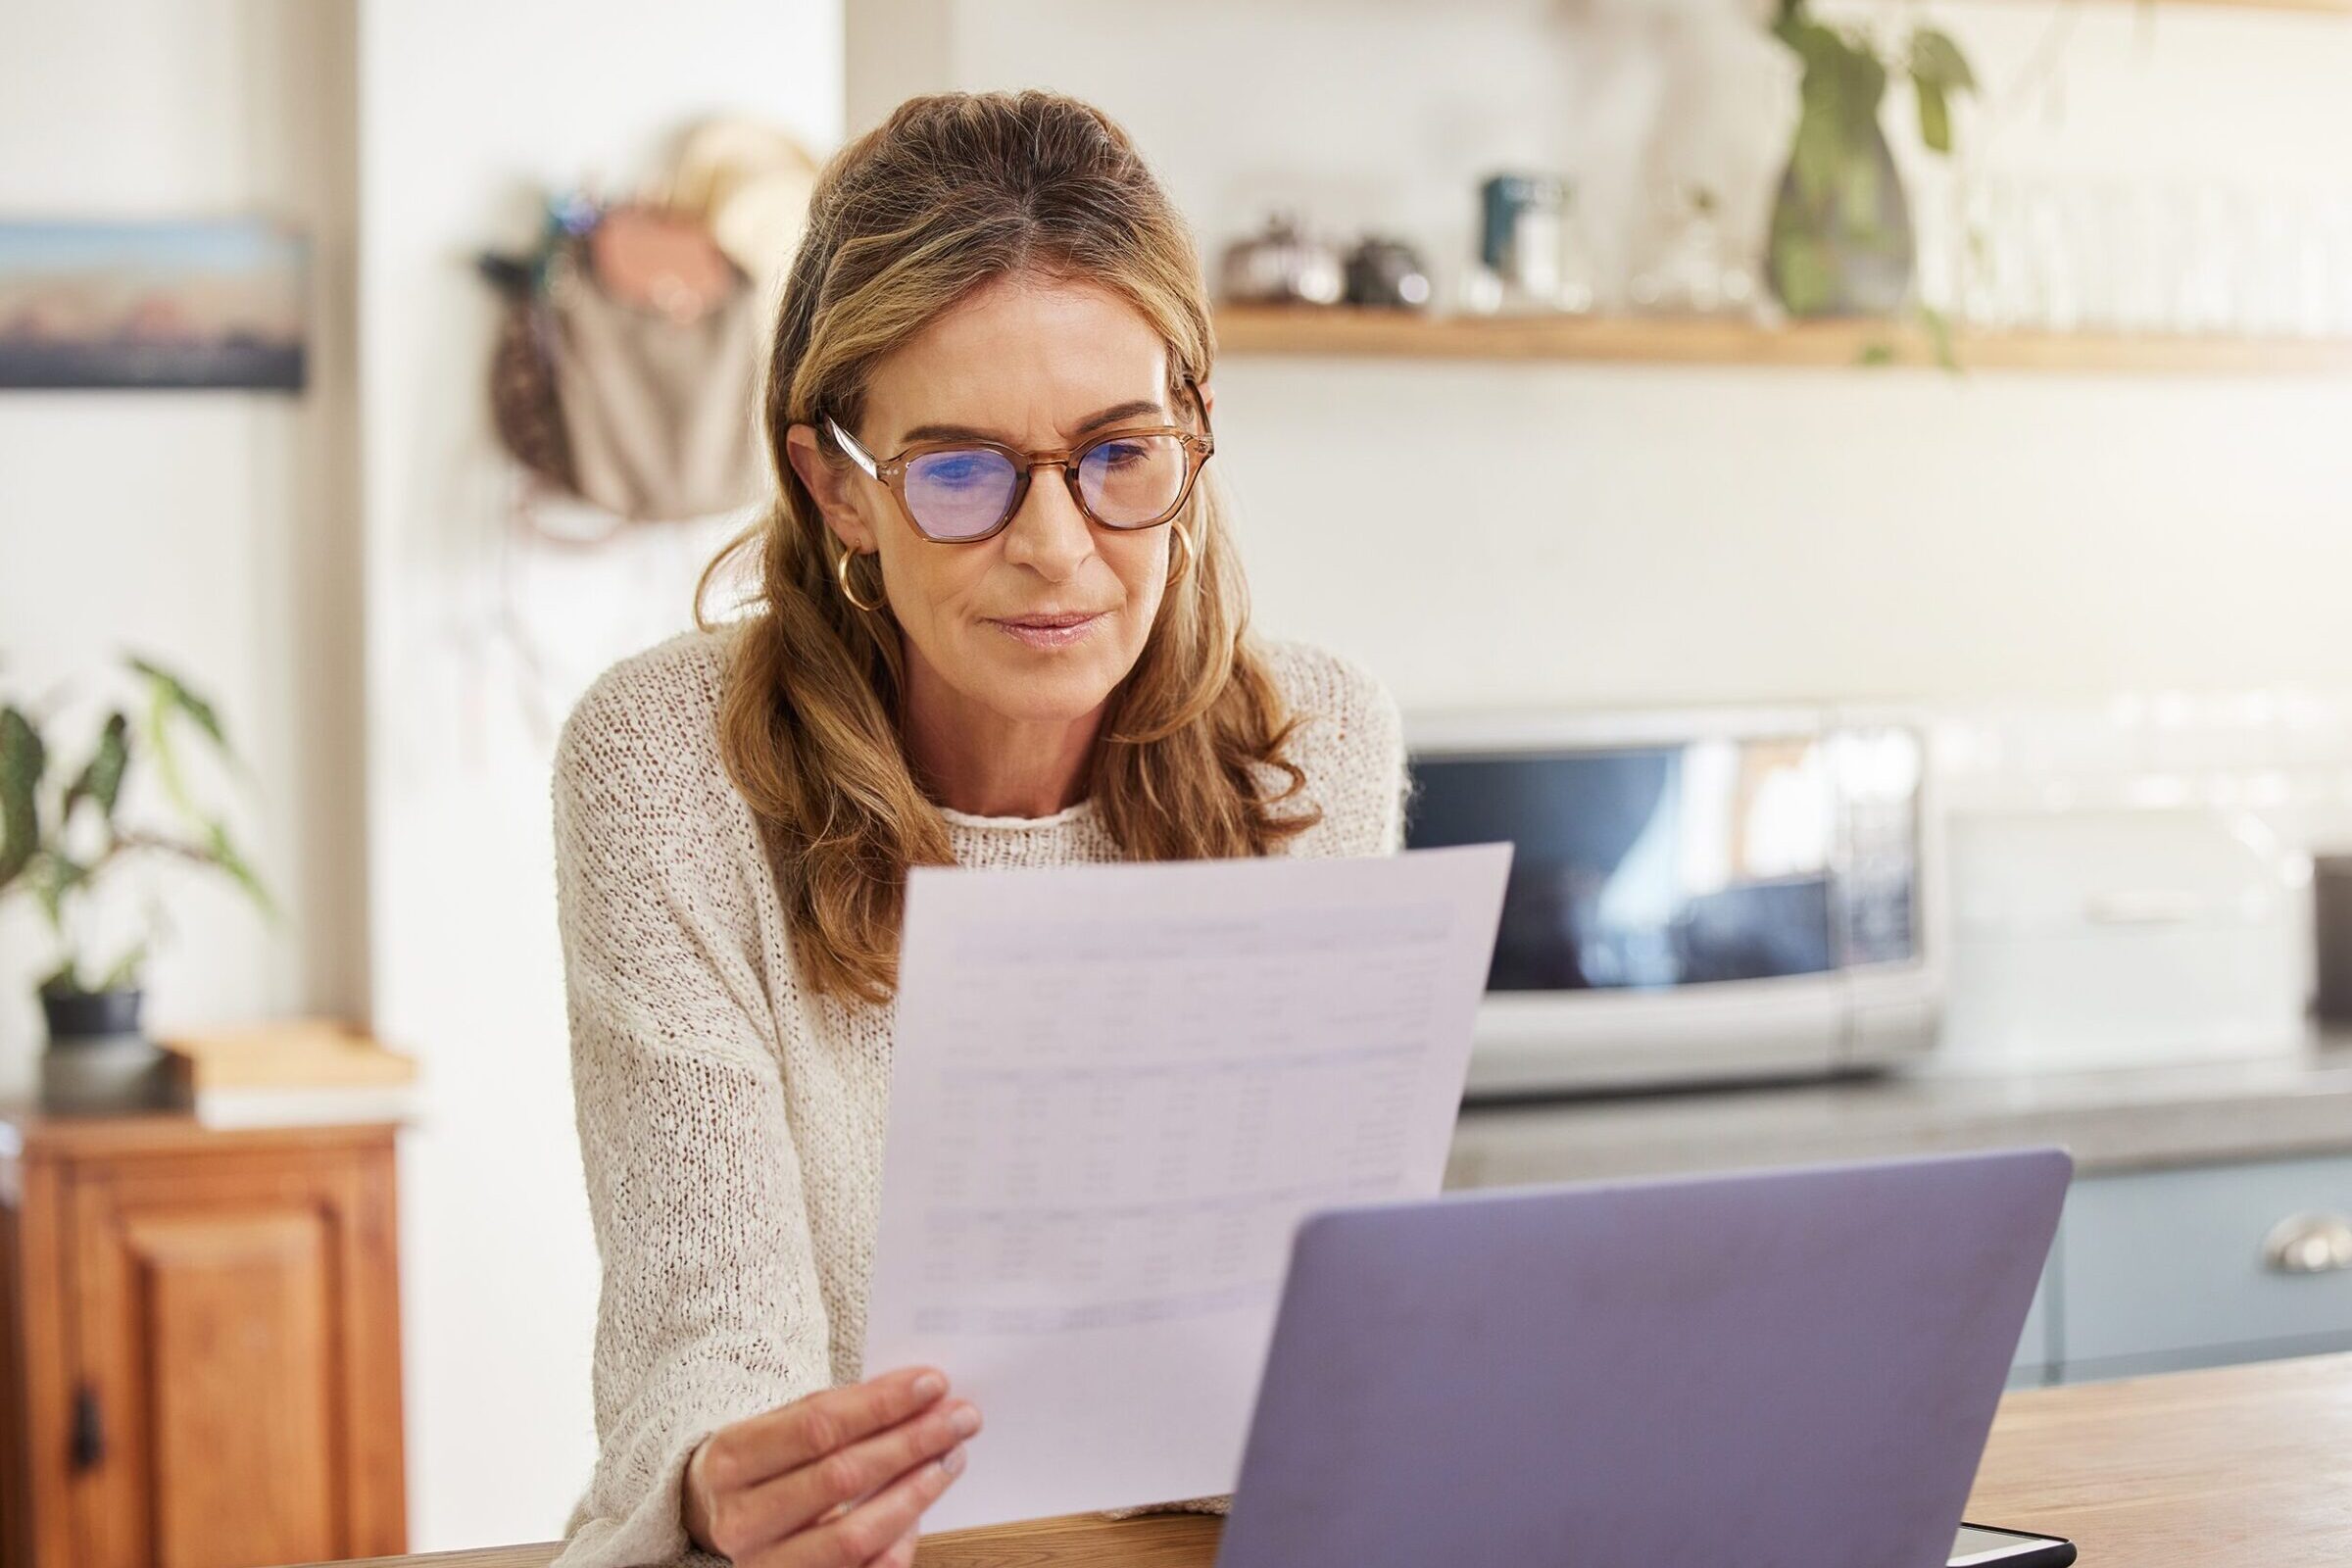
{"type": "Point", "coordinates": [962, 492]}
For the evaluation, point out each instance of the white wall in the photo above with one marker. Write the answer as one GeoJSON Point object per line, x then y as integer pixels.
{"type": "Point", "coordinates": [1626, 534]}
{"type": "Point", "coordinates": [479, 640]}
{"type": "Point", "coordinates": [217, 529]}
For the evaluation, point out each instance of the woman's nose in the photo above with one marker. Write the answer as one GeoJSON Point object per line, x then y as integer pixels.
{"type": "Point", "coordinates": [1050, 535]}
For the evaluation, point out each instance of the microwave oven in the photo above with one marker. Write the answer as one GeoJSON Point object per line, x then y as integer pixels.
{"type": "Point", "coordinates": [1695, 896]}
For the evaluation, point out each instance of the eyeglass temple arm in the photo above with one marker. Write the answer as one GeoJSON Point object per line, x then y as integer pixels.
{"type": "Point", "coordinates": [1200, 403]}
{"type": "Point", "coordinates": [857, 454]}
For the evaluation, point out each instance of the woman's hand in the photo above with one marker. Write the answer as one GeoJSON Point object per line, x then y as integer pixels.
{"type": "Point", "coordinates": [837, 1480]}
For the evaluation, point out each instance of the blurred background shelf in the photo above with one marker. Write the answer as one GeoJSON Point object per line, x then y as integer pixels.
{"type": "Point", "coordinates": [1258, 329]}
{"type": "Point", "coordinates": [2326, 7]}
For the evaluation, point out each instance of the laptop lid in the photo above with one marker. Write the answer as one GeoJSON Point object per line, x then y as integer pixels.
{"type": "Point", "coordinates": [1789, 1366]}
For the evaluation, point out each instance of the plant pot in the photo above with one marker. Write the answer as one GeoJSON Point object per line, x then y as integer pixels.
{"type": "Point", "coordinates": [1852, 252]}
{"type": "Point", "coordinates": [98, 1061]}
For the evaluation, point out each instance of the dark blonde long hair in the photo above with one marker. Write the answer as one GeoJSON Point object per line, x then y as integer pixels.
{"type": "Point", "coordinates": [954, 192]}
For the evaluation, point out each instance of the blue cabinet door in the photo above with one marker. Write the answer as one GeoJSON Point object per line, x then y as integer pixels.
{"type": "Point", "coordinates": [2162, 1270]}
{"type": "Point", "coordinates": [2036, 1359]}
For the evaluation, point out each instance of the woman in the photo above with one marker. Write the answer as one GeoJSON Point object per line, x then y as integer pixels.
{"type": "Point", "coordinates": [1016, 655]}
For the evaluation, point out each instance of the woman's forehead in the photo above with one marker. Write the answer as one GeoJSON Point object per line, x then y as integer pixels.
{"type": "Point", "coordinates": [1030, 362]}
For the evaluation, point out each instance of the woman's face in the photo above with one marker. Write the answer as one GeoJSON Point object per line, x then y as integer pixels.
{"type": "Point", "coordinates": [1032, 363]}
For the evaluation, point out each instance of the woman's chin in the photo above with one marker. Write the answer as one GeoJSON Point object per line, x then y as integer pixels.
{"type": "Point", "coordinates": [1051, 688]}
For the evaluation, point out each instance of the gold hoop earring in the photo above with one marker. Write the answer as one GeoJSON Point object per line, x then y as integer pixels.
{"type": "Point", "coordinates": [841, 576]}
{"type": "Point", "coordinates": [1183, 538]}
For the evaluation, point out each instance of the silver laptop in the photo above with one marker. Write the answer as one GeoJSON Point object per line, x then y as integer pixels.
{"type": "Point", "coordinates": [1795, 1366]}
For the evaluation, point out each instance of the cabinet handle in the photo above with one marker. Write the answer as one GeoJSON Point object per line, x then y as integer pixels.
{"type": "Point", "coordinates": [89, 1430]}
{"type": "Point", "coordinates": [2309, 1244]}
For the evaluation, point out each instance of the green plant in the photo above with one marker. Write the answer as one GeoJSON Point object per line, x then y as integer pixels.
{"type": "Point", "coordinates": [61, 832]}
{"type": "Point", "coordinates": [1835, 194]}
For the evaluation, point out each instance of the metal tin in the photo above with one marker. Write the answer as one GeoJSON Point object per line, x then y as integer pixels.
{"type": "Point", "coordinates": [1387, 272]}
{"type": "Point", "coordinates": [1523, 222]}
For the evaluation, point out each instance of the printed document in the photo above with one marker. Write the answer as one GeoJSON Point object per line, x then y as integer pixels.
{"type": "Point", "coordinates": [1115, 1091]}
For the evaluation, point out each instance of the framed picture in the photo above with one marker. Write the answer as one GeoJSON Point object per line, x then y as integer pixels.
{"type": "Point", "coordinates": [153, 305]}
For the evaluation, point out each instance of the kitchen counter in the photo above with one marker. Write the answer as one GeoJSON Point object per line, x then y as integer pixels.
{"type": "Point", "coordinates": [2243, 1464]}
{"type": "Point", "coordinates": [2290, 1104]}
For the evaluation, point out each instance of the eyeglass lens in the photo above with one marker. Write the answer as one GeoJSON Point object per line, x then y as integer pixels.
{"type": "Point", "coordinates": [963, 492]}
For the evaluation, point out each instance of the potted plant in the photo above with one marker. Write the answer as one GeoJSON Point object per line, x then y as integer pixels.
{"type": "Point", "coordinates": [65, 833]}
{"type": "Point", "coordinates": [1842, 241]}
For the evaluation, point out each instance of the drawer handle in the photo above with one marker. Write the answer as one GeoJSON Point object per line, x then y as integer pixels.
{"type": "Point", "coordinates": [89, 1430]}
{"type": "Point", "coordinates": [2309, 1244]}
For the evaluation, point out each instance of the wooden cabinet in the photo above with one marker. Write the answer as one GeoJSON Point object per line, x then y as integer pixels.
{"type": "Point", "coordinates": [201, 1356]}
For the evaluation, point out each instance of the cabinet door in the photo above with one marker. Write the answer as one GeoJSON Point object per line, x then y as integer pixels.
{"type": "Point", "coordinates": [230, 1359]}
{"type": "Point", "coordinates": [2165, 1271]}
{"type": "Point", "coordinates": [2034, 1361]}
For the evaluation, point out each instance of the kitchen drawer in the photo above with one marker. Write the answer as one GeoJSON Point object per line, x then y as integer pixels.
{"type": "Point", "coordinates": [2167, 1268]}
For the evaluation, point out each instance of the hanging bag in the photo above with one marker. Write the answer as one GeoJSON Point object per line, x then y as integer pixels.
{"type": "Point", "coordinates": [627, 369]}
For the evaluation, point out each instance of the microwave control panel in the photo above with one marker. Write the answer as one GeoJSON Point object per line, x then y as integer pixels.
{"type": "Point", "coordinates": [1878, 773]}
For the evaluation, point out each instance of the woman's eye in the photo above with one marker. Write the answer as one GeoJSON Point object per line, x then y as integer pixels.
{"type": "Point", "coordinates": [1123, 453]}
{"type": "Point", "coordinates": [958, 470]}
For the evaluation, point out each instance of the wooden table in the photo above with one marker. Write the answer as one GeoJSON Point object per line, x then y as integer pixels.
{"type": "Point", "coordinates": [2245, 1464]}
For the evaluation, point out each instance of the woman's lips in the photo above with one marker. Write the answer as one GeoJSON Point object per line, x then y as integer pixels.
{"type": "Point", "coordinates": [1049, 631]}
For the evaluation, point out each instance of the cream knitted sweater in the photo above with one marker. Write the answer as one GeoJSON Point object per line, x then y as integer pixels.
{"type": "Point", "coordinates": [730, 1122]}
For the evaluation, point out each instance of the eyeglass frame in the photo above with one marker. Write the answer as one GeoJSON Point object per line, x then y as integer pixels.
{"type": "Point", "coordinates": [891, 472]}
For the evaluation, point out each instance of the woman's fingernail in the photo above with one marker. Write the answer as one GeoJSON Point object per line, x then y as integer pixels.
{"type": "Point", "coordinates": [965, 1421]}
{"type": "Point", "coordinates": [951, 1461]}
{"type": "Point", "coordinates": [930, 1386]}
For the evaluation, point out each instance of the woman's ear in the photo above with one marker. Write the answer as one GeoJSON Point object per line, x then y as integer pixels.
{"type": "Point", "coordinates": [829, 487]}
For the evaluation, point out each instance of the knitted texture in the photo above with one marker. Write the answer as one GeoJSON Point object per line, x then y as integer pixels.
{"type": "Point", "coordinates": [730, 1120]}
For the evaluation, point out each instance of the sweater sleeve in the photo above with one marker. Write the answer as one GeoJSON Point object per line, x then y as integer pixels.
{"type": "Point", "coordinates": [711, 1309]}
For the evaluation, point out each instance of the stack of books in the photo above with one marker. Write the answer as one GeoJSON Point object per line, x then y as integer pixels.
{"type": "Point", "coordinates": [296, 1072]}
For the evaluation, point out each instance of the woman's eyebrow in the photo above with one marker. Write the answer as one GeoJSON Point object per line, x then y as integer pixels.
{"type": "Point", "coordinates": [1092, 421]}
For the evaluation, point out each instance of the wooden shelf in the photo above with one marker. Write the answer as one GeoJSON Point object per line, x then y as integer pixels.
{"type": "Point", "coordinates": [1351, 333]}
